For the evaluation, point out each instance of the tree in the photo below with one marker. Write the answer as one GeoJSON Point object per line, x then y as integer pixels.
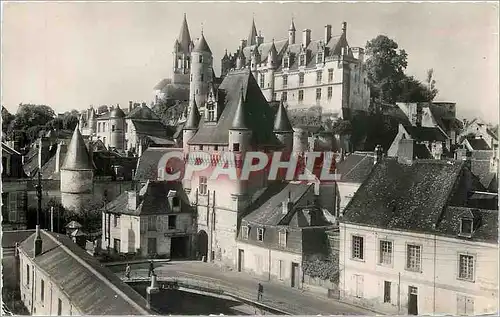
{"type": "Point", "coordinates": [385, 66]}
{"type": "Point", "coordinates": [7, 118]}
{"type": "Point", "coordinates": [412, 90]}
{"type": "Point", "coordinates": [30, 120]}
{"type": "Point", "coordinates": [70, 120]}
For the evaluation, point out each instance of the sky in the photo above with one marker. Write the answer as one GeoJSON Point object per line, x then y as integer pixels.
{"type": "Point", "coordinates": [71, 55]}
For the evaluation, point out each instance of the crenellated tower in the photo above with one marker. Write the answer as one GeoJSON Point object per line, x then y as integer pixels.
{"type": "Point", "coordinates": [201, 71]}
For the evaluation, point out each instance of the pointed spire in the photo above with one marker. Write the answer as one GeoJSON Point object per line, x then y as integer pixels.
{"type": "Point", "coordinates": [239, 122]}
{"type": "Point", "coordinates": [194, 117]}
{"type": "Point", "coordinates": [202, 45]}
{"type": "Point", "coordinates": [253, 34]}
{"type": "Point", "coordinates": [282, 123]}
{"type": "Point", "coordinates": [292, 26]}
{"type": "Point", "coordinates": [184, 38]}
{"type": "Point", "coordinates": [77, 155]}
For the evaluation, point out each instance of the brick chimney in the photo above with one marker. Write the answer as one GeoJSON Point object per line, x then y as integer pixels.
{"type": "Point", "coordinates": [406, 151]}
{"type": "Point", "coordinates": [132, 200]}
{"type": "Point", "coordinates": [286, 205]}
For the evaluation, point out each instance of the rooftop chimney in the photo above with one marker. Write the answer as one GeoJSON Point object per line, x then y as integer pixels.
{"type": "Point", "coordinates": [406, 151]}
{"type": "Point", "coordinates": [130, 105]}
{"type": "Point", "coordinates": [38, 242]}
{"type": "Point", "coordinates": [286, 205]}
{"type": "Point", "coordinates": [132, 200]}
{"type": "Point", "coordinates": [344, 27]}
{"type": "Point", "coordinates": [328, 33]}
{"type": "Point", "coordinates": [306, 37]}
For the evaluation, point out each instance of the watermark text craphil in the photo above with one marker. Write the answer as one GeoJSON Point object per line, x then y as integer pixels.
{"type": "Point", "coordinates": [243, 166]}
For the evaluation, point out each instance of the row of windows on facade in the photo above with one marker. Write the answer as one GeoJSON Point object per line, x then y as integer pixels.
{"type": "Point", "coordinates": [151, 246]}
{"type": "Point", "coordinates": [152, 220]}
{"type": "Point", "coordinates": [319, 78]}
{"type": "Point", "coordinates": [284, 94]}
{"type": "Point", "coordinates": [282, 235]}
{"type": "Point", "coordinates": [413, 257]}
{"type": "Point", "coordinates": [42, 291]}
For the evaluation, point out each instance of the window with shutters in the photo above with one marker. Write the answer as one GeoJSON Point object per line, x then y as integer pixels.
{"type": "Point", "coordinates": [385, 252]}
{"type": "Point", "coordinates": [260, 234]}
{"type": "Point", "coordinates": [330, 92]}
{"type": "Point", "coordinates": [319, 77]}
{"type": "Point", "coordinates": [466, 267]}
{"type": "Point", "coordinates": [245, 232]}
{"type": "Point", "coordinates": [211, 112]}
{"type": "Point", "coordinates": [318, 93]}
{"type": "Point", "coordinates": [301, 79]}
{"type": "Point", "coordinates": [202, 187]}
{"type": "Point", "coordinates": [330, 75]}
{"type": "Point", "coordinates": [357, 248]}
{"type": "Point", "coordinates": [285, 81]}
{"type": "Point", "coordinates": [282, 235]}
{"type": "Point", "coordinates": [319, 57]}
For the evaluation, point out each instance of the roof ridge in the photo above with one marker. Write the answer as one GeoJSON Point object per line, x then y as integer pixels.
{"type": "Point", "coordinates": [364, 157]}
{"type": "Point", "coordinates": [290, 212]}
{"type": "Point", "coordinates": [99, 275]}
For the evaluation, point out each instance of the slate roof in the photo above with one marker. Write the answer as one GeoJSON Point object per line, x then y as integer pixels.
{"type": "Point", "coordinates": [407, 197]}
{"type": "Point", "coordinates": [267, 209]}
{"type": "Point", "coordinates": [92, 288]}
{"type": "Point", "coordinates": [152, 200]}
{"type": "Point", "coordinates": [480, 166]}
{"type": "Point", "coordinates": [478, 144]}
{"type": "Point", "coordinates": [160, 141]}
{"type": "Point", "coordinates": [355, 167]}
{"type": "Point", "coordinates": [194, 117]}
{"type": "Point", "coordinates": [153, 128]}
{"type": "Point", "coordinates": [9, 238]}
{"type": "Point", "coordinates": [142, 113]}
{"type": "Point", "coordinates": [147, 166]}
{"type": "Point", "coordinates": [422, 134]}
{"type": "Point", "coordinates": [259, 115]}
{"type": "Point", "coordinates": [77, 156]}
{"type": "Point", "coordinates": [486, 230]}
{"type": "Point", "coordinates": [202, 45]}
{"type": "Point", "coordinates": [184, 38]}
{"type": "Point", "coordinates": [117, 112]}
{"type": "Point", "coordinates": [281, 122]}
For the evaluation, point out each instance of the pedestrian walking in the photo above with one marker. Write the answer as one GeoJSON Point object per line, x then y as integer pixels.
{"type": "Point", "coordinates": [260, 290]}
{"type": "Point", "coordinates": [127, 271]}
{"type": "Point", "coordinates": [151, 268]}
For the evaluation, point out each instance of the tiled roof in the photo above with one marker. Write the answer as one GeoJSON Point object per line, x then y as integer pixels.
{"type": "Point", "coordinates": [147, 167]}
{"type": "Point", "coordinates": [259, 114]}
{"type": "Point", "coordinates": [407, 197]}
{"type": "Point", "coordinates": [9, 238]}
{"type": "Point", "coordinates": [478, 144]}
{"type": "Point", "coordinates": [281, 122]}
{"type": "Point", "coordinates": [91, 288]}
{"type": "Point", "coordinates": [193, 120]}
{"type": "Point", "coordinates": [486, 230]}
{"type": "Point", "coordinates": [202, 45]}
{"type": "Point", "coordinates": [142, 113]}
{"type": "Point", "coordinates": [355, 167]}
{"type": "Point", "coordinates": [160, 141]}
{"type": "Point", "coordinates": [184, 38]}
{"type": "Point", "coordinates": [480, 166]}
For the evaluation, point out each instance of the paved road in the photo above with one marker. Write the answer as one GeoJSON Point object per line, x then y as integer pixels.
{"type": "Point", "coordinates": [275, 295]}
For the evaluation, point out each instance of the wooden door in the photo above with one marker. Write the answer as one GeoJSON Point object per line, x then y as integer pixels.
{"type": "Point", "coordinates": [412, 300]}
{"type": "Point", "coordinates": [295, 275]}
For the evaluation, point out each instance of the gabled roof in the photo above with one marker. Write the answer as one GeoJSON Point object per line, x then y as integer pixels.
{"type": "Point", "coordinates": [153, 128]}
{"type": "Point", "coordinates": [91, 288]}
{"type": "Point", "coordinates": [142, 113]}
{"type": "Point", "coordinates": [422, 134]}
{"type": "Point", "coordinates": [152, 200]}
{"type": "Point", "coordinates": [407, 197]}
{"type": "Point", "coordinates": [259, 116]}
{"type": "Point", "coordinates": [77, 156]}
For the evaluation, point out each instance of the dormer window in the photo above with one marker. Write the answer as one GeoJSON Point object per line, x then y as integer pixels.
{"type": "Point", "coordinates": [302, 60]}
{"type": "Point", "coordinates": [319, 58]}
{"type": "Point", "coordinates": [466, 227]}
{"type": "Point", "coordinates": [260, 234]}
{"type": "Point", "coordinates": [211, 112]}
{"type": "Point", "coordinates": [282, 235]}
{"type": "Point", "coordinates": [286, 62]}
{"type": "Point", "coordinates": [245, 232]}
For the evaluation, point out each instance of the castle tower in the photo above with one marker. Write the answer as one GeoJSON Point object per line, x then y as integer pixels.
{"type": "Point", "coordinates": [239, 142]}
{"type": "Point", "coordinates": [188, 132]}
{"type": "Point", "coordinates": [77, 174]}
{"type": "Point", "coordinates": [291, 33]}
{"type": "Point", "coordinates": [225, 64]}
{"type": "Point", "coordinates": [283, 128]}
{"type": "Point", "coordinates": [117, 128]}
{"type": "Point", "coordinates": [182, 51]}
{"type": "Point", "coordinates": [252, 36]}
{"type": "Point", "coordinates": [240, 59]}
{"type": "Point", "coordinates": [92, 122]}
{"type": "Point", "coordinates": [272, 61]}
{"type": "Point", "coordinates": [201, 71]}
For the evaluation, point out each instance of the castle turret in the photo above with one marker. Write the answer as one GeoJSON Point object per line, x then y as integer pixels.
{"type": "Point", "coordinates": [252, 37]}
{"type": "Point", "coordinates": [283, 128]}
{"type": "Point", "coordinates": [182, 51]}
{"type": "Point", "coordinates": [92, 122]}
{"type": "Point", "coordinates": [291, 33]}
{"type": "Point", "coordinates": [201, 71]}
{"type": "Point", "coordinates": [239, 142]}
{"type": "Point", "coordinates": [272, 62]}
{"type": "Point", "coordinates": [117, 128]}
{"type": "Point", "coordinates": [225, 64]}
{"type": "Point", "coordinates": [255, 59]}
{"type": "Point", "coordinates": [240, 59]}
{"type": "Point", "coordinates": [191, 126]}
{"type": "Point", "coordinates": [77, 174]}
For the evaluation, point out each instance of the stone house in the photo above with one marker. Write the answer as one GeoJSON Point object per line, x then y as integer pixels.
{"type": "Point", "coordinates": [156, 220]}
{"type": "Point", "coordinates": [412, 241]}
{"type": "Point", "coordinates": [57, 277]}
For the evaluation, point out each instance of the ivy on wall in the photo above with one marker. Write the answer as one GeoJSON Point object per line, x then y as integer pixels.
{"type": "Point", "coordinates": [322, 269]}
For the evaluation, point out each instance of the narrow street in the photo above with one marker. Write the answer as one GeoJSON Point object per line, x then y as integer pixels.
{"type": "Point", "coordinates": [275, 295]}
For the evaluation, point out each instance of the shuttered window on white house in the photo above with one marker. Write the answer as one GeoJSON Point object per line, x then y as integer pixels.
{"type": "Point", "coordinates": [466, 267]}
{"type": "Point", "coordinates": [413, 257]}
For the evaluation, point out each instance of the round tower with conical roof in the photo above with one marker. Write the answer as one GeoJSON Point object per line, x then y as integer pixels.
{"type": "Point", "coordinates": [77, 173]}
{"type": "Point", "coordinates": [181, 54]}
{"type": "Point", "coordinates": [117, 129]}
{"type": "Point", "coordinates": [272, 62]}
{"type": "Point", "coordinates": [191, 125]}
{"type": "Point", "coordinates": [291, 33]}
{"type": "Point", "coordinates": [92, 122]}
{"type": "Point", "coordinates": [283, 129]}
{"type": "Point", "coordinates": [201, 71]}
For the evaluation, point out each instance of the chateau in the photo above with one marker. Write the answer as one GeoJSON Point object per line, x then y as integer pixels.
{"type": "Point", "coordinates": [325, 73]}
